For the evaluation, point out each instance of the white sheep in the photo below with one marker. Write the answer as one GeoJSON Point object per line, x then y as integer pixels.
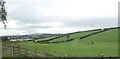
{"type": "Point", "coordinates": [102, 55]}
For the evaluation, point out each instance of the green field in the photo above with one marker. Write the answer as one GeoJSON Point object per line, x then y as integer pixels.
{"type": "Point", "coordinates": [44, 39]}
{"type": "Point", "coordinates": [74, 36]}
{"type": "Point", "coordinates": [104, 43]}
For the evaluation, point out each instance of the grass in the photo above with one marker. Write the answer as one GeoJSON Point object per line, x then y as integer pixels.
{"type": "Point", "coordinates": [74, 36]}
{"type": "Point", "coordinates": [44, 39]}
{"type": "Point", "coordinates": [104, 43]}
{"type": "Point", "coordinates": [6, 52]}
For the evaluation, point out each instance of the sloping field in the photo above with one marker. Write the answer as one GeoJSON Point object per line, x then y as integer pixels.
{"type": "Point", "coordinates": [103, 43]}
{"type": "Point", "coordinates": [74, 36]}
{"type": "Point", "coordinates": [43, 39]}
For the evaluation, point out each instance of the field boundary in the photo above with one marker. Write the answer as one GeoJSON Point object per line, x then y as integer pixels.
{"type": "Point", "coordinates": [94, 33]}
{"type": "Point", "coordinates": [27, 52]}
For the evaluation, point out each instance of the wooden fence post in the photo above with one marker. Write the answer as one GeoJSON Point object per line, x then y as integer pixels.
{"type": "Point", "coordinates": [102, 57]}
{"type": "Point", "coordinates": [12, 50]}
{"type": "Point", "coordinates": [110, 57]}
{"type": "Point", "coordinates": [47, 53]}
{"type": "Point", "coordinates": [26, 53]}
{"type": "Point", "coordinates": [35, 53]}
{"type": "Point", "coordinates": [19, 49]}
{"type": "Point", "coordinates": [65, 56]}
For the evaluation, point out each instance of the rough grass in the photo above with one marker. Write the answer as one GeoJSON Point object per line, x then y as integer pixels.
{"type": "Point", "coordinates": [104, 43]}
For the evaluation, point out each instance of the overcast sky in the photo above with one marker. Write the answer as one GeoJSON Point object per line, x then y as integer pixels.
{"type": "Point", "coordinates": [59, 16]}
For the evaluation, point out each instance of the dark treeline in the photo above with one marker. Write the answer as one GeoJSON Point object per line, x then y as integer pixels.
{"type": "Point", "coordinates": [56, 41]}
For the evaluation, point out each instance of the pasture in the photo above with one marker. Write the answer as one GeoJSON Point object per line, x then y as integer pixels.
{"type": "Point", "coordinates": [103, 43]}
{"type": "Point", "coordinates": [44, 39]}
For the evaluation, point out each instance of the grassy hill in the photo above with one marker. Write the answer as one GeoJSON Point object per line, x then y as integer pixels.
{"type": "Point", "coordinates": [74, 36]}
{"type": "Point", "coordinates": [102, 43]}
{"type": "Point", "coordinates": [44, 39]}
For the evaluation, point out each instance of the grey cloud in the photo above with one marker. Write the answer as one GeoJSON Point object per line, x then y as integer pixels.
{"type": "Point", "coordinates": [38, 26]}
{"type": "Point", "coordinates": [92, 22]}
{"type": "Point", "coordinates": [27, 13]}
{"type": "Point", "coordinates": [32, 27]}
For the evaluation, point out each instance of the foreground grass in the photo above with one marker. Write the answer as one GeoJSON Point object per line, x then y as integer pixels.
{"type": "Point", "coordinates": [104, 43]}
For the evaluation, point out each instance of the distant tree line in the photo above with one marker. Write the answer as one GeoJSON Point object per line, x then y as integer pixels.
{"type": "Point", "coordinates": [5, 39]}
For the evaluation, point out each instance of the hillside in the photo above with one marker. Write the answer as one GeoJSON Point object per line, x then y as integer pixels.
{"type": "Point", "coordinates": [102, 43]}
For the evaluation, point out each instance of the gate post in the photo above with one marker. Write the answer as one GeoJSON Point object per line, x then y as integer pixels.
{"type": "Point", "coordinates": [19, 49]}
{"type": "Point", "coordinates": [12, 50]}
{"type": "Point", "coordinates": [65, 56]}
{"type": "Point", "coordinates": [35, 53]}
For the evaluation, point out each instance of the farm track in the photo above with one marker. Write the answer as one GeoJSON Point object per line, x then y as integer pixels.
{"type": "Point", "coordinates": [47, 41]}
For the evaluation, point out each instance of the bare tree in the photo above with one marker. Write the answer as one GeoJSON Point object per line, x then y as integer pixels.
{"type": "Point", "coordinates": [3, 13]}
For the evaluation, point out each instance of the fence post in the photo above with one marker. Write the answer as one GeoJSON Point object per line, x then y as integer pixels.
{"type": "Point", "coordinates": [110, 57]}
{"type": "Point", "coordinates": [35, 53]}
{"type": "Point", "coordinates": [19, 49]}
{"type": "Point", "coordinates": [65, 56]}
{"type": "Point", "coordinates": [102, 57]}
{"type": "Point", "coordinates": [47, 53]}
{"type": "Point", "coordinates": [12, 50]}
{"type": "Point", "coordinates": [26, 53]}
